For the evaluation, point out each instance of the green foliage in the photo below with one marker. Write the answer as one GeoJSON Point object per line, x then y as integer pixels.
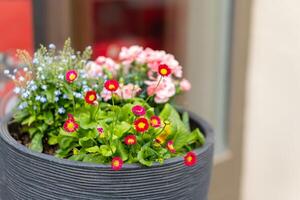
{"type": "Point", "coordinates": [47, 98]}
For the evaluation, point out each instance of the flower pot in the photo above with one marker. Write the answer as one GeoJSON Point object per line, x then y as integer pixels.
{"type": "Point", "coordinates": [29, 175]}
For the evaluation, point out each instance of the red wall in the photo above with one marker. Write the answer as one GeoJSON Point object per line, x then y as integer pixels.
{"type": "Point", "coordinates": [16, 29]}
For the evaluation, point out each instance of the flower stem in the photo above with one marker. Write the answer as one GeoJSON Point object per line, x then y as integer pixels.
{"type": "Point", "coordinates": [148, 98]}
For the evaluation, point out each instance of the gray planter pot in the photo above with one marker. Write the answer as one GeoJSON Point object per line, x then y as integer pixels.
{"type": "Point", "coordinates": [29, 175]}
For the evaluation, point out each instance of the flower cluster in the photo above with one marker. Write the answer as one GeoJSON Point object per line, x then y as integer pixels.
{"type": "Point", "coordinates": [105, 111]}
{"type": "Point", "coordinates": [143, 70]}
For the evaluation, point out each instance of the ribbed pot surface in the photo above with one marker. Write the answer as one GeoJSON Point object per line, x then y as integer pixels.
{"type": "Point", "coordinates": [26, 175]}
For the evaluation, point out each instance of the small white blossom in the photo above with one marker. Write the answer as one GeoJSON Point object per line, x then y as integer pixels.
{"type": "Point", "coordinates": [65, 96]}
{"type": "Point", "coordinates": [56, 99]}
{"type": "Point", "coordinates": [37, 98]}
{"type": "Point", "coordinates": [43, 100]}
{"type": "Point", "coordinates": [6, 72]}
{"type": "Point", "coordinates": [43, 77]}
{"type": "Point", "coordinates": [57, 92]}
{"type": "Point", "coordinates": [39, 68]}
{"type": "Point", "coordinates": [35, 61]}
{"type": "Point", "coordinates": [21, 78]}
{"type": "Point", "coordinates": [73, 57]}
{"type": "Point", "coordinates": [44, 87]}
{"type": "Point", "coordinates": [33, 87]}
{"type": "Point", "coordinates": [52, 46]}
{"type": "Point", "coordinates": [77, 95]}
{"type": "Point", "coordinates": [17, 90]}
{"type": "Point", "coordinates": [23, 105]}
{"type": "Point", "coordinates": [15, 71]}
{"type": "Point", "coordinates": [61, 110]}
{"type": "Point", "coordinates": [25, 69]}
{"type": "Point", "coordinates": [25, 94]}
{"type": "Point", "coordinates": [60, 76]}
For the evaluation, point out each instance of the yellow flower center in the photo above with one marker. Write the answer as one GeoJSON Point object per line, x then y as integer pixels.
{"type": "Point", "coordinates": [92, 97]}
{"type": "Point", "coordinates": [72, 76]}
{"type": "Point", "coordinates": [116, 163]}
{"type": "Point", "coordinates": [111, 86]}
{"type": "Point", "coordinates": [141, 125]}
{"type": "Point", "coordinates": [163, 71]}
{"type": "Point", "coordinates": [70, 125]}
{"type": "Point", "coordinates": [189, 158]}
{"type": "Point", "coordinates": [130, 141]}
{"type": "Point", "coordinates": [154, 122]}
{"type": "Point", "coordinates": [171, 147]}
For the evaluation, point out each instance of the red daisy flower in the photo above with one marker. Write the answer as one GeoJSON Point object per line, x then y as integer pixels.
{"type": "Point", "coordinates": [90, 97]}
{"type": "Point", "coordinates": [170, 146]}
{"type": "Point", "coordinates": [164, 70]}
{"type": "Point", "coordinates": [130, 140]}
{"type": "Point", "coordinates": [138, 110]}
{"type": "Point", "coordinates": [155, 121]}
{"type": "Point", "coordinates": [116, 163]}
{"type": "Point", "coordinates": [71, 75]}
{"type": "Point", "coordinates": [190, 159]}
{"type": "Point", "coordinates": [111, 85]}
{"type": "Point", "coordinates": [141, 124]}
{"type": "Point", "coordinates": [70, 125]}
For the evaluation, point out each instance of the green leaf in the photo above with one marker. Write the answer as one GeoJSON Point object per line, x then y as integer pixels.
{"type": "Point", "coordinates": [94, 158]}
{"type": "Point", "coordinates": [85, 121]}
{"type": "Point", "coordinates": [65, 142]}
{"type": "Point", "coordinates": [52, 140]}
{"type": "Point", "coordinates": [29, 120]}
{"type": "Point", "coordinates": [37, 142]}
{"type": "Point", "coordinates": [122, 151]}
{"type": "Point", "coordinates": [87, 142]}
{"type": "Point", "coordinates": [121, 128]}
{"type": "Point", "coordinates": [105, 150]}
{"type": "Point", "coordinates": [50, 95]}
{"type": "Point", "coordinates": [32, 131]}
{"type": "Point", "coordinates": [93, 149]}
{"type": "Point", "coordinates": [142, 156]}
{"type": "Point", "coordinates": [186, 120]}
{"type": "Point", "coordinates": [48, 117]}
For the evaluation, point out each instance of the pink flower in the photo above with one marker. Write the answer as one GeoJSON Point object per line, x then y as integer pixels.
{"type": "Point", "coordinates": [165, 90]}
{"type": "Point", "coordinates": [129, 54]}
{"type": "Point", "coordinates": [100, 66]}
{"type": "Point", "coordinates": [138, 110]}
{"type": "Point", "coordinates": [106, 95]}
{"type": "Point", "coordinates": [185, 85]}
{"type": "Point", "coordinates": [128, 91]}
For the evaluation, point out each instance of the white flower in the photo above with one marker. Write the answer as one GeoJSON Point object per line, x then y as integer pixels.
{"type": "Point", "coordinates": [33, 87]}
{"type": "Point", "coordinates": [39, 68]}
{"type": "Point", "coordinates": [15, 71]}
{"type": "Point", "coordinates": [17, 90]}
{"type": "Point", "coordinates": [37, 98]}
{"type": "Point", "coordinates": [73, 57]}
{"type": "Point", "coordinates": [57, 92]}
{"type": "Point", "coordinates": [35, 61]}
{"type": "Point", "coordinates": [23, 105]}
{"type": "Point", "coordinates": [21, 78]}
{"type": "Point", "coordinates": [25, 69]}
{"type": "Point", "coordinates": [43, 100]}
{"type": "Point", "coordinates": [25, 94]}
{"type": "Point", "coordinates": [65, 96]}
{"type": "Point", "coordinates": [56, 99]}
{"type": "Point", "coordinates": [6, 72]}
{"type": "Point", "coordinates": [60, 76]}
{"type": "Point", "coordinates": [77, 95]}
{"type": "Point", "coordinates": [61, 110]}
{"type": "Point", "coordinates": [52, 46]}
{"type": "Point", "coordinates": [44, 87]}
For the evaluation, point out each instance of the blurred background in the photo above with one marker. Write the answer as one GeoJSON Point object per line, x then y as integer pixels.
{"type": "Point", "coordinates": [242, 58]}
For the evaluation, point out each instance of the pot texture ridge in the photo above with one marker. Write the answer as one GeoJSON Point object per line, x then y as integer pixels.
{"type": "Point", "coordinates": [25, 175]}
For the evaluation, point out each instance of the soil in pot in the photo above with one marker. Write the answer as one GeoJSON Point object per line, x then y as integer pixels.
{"type": "Point", "coordinates": [23, 138]}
